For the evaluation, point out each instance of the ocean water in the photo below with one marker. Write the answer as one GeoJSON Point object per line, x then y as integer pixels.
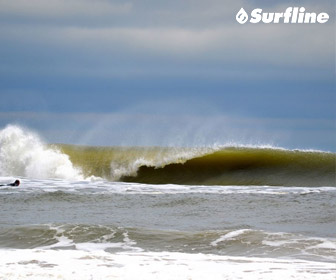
{"type": "Point", "coordinates": [223, 212]}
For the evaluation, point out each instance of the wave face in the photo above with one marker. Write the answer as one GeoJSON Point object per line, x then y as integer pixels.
{"type": "Point", "coordinates": [207, 166]}
{"type": "Point", "coordinates": [245, 166]}
{"type": "Point", "coordinates": [22, 153]}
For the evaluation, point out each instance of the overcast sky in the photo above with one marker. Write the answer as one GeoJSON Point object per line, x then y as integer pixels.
{"type": "Point", "coordinates": [151, 72]}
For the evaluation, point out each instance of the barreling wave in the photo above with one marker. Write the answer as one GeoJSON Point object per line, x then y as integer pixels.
{"type": "Point", "coordinates": [22, 153]}
{"type": "Point", "coordinates": [245, 166]}
{"type": "Point", "coordinates": [207, 166]}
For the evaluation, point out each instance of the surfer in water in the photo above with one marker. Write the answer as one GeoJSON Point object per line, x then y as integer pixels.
{"type": "Point", "coordinates": [15, 184]}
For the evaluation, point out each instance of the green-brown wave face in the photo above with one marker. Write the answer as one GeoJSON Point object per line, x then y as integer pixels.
{"type": "Point", "coordinates": [206, 166]}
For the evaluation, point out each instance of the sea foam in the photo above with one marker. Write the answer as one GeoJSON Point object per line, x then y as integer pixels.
{"type": "Point", "coordinates": [78, 264]}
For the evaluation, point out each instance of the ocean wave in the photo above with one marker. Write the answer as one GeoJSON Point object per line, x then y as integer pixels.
{"type": "Point", "coordinates": [245, 166]}
{"type": "Point", "coordinates": [216, 165]}
{"type": "Point", "coordinates": [233, 242]}
{"type": "Point", "coordinates": [22, 153]}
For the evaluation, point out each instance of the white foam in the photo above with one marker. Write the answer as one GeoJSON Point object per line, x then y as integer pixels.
{"type": "Point", "coordinates": [229, 236]}
{"type": "Point", "coordinates": [99, 186]}
{"type": "Point", "coordinates": [127, 244]}
{"type": "Point", "coordinates": [264, 147]}
{"type": "Point", "coordinates": [78, 264]}
{"type": "Point", "coordinates": [62, 241]}
{"type": "Point", "coordinates": [130, 167]}
{"type": "Point", "coordinates": [119, 169]}
{"type": "Point", "coordinates": [277, 243]}
{"type": "Point", "coordinates": [135, 188]}
{"type": "Point", "coordinates": [22, 153]}
{"type": "Point", "coordinates": [308, 246]}
{"type": "Point", "coordinates": [325, 245]}
{"type": "Point", "coordinates": [100, 244]}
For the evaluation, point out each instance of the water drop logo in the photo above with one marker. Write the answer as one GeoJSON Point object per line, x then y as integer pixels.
{"type": "Point", "coordinates": [242, 16]}
{"type": "Point", "coordinates": [290, 15]}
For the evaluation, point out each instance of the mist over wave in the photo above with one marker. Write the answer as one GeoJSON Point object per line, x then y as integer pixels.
{"type": "Point", "coordinates": [22, 153]}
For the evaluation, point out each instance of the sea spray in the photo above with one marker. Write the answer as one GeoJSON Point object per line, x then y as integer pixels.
{"type": "Point", "coordinates": [22, 153]}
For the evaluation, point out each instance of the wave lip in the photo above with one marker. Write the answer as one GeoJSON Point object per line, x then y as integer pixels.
{"type": "Point", "coordinates": [245, 166]}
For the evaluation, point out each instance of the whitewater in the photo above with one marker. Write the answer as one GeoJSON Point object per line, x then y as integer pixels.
{"type": "Point", "coordinates": [219, 212]}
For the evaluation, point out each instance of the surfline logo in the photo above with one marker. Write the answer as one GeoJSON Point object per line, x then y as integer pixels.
{"type": "Point", "coordinates": [291, 15]}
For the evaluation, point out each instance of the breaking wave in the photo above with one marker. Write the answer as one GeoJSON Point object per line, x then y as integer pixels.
{"type": "Point", "coordinates": [245, 166]}
{"type": "Point", "coordinates": [22, 153]}
{"type": "Point", "coordinates": [230, 165]}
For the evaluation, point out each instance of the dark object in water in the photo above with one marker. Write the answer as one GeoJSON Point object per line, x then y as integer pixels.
{"type": "Point", "coordinates": [15, 184]}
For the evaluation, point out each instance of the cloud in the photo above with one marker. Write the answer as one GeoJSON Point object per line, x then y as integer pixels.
{"type": "Point", "coordinates": [143, 13]}
{"type": "Point", "coordinates": [140, 36]}
{"type": "Point", "coordinates": [268, 44]}
{"type": "Point", "coordinates": [62, 8]}
{"type": "Point", "coordinates": [186, 41]}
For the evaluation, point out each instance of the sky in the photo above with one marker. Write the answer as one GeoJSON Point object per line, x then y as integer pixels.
{"type": "Point", "coordinates": [167, 73]}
